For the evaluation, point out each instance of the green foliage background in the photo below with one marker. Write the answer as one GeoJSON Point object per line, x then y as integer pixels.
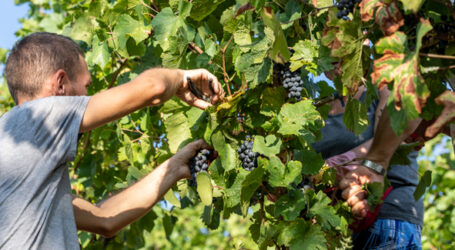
{"type": "Point", "coordinates": [240, 41]}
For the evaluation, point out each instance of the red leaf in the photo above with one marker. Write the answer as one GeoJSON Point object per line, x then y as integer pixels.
{"type": "Point", "coordinates": [389, 18]}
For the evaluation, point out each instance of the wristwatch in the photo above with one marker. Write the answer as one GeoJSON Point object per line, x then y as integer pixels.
{"type": "Point", "coordinates": [376, 167]}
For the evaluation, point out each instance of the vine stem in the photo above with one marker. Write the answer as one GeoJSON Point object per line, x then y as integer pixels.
{"type": "Point", "coordinates": [114, 78]}
{"type": "Point", "coordinates": [225, 75]}
{"type": "Point", "coordinates": [196, 48]}
{"type": "Point", "coordinates": [261, 202]}
{"type": "Point", "coordinates": [437, 56]}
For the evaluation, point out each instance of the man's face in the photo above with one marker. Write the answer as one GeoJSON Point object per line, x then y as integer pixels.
{"type": "Point", "coordinates": [78, 87]}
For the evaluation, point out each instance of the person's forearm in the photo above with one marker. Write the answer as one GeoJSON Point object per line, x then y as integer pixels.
{"type": "Point", "coordinates": [152, 87]}
{"type": "Point", "coordinates": [386, 142]}
{"type": "Point", "coordinates": [116, 212]}
{"type": "Point", "coordinates": [168, 81]}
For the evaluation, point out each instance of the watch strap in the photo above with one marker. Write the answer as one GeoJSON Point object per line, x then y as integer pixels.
{"type": "Point", "coordinates": [376, 167]}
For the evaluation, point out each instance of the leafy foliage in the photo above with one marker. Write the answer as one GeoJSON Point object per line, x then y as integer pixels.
{"type": "Point", "coordinates": [392, 44]}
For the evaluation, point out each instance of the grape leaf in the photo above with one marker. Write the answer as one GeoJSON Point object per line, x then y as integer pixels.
{"type": "Point", "coordinates": [275, 172]}
{"type": "Point", "coordinates": [299, 118]}
{"type": "Point", "coordinates": [204, 188]}
{"type": "Point", "coordinates": [400, 66]}
{"type": "Point", "coordinates": [289, 205]}
{"type": "Point", "coordinates": [268, 146]}
{"type": "Point", "coordinates": [280, 52]}
{"type": "Point", "coordinates": [128, 27]}
{"type": "Point", "coordinates": [82, 29]}
{"type": "Point", "coordinates": [425, 181]}
{"type": "Point", "coordinates": [250, 184]}
{"type": "Point", "coordinates": [355, 117]}
{"type": "Point", "coordinates": [301, 234]}
{"type": "Point", "coordinates": [177, 131]}
{"type": "Point", "coordinates": [171, 198]}
{"type": "Point", "coordinates": [412, 5]}
{"type": "Point", "coordinates": [324, 212]}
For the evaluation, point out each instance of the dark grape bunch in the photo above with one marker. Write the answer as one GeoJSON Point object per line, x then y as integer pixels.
{"type": "Point", "coordinates": [200, 163]}
{"type": "Point", "coordinates": [291, 81]}
{"type": "Point", "coordinates": [345, 7]}
{"type": "Point", "coordinates": [246, 154]}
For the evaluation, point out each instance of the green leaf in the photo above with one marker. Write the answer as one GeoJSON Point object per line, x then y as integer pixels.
{"type": "Point", "coordinates": [171, 198]}
{"type": "Point", "coordinates": [82, 29]}
{"type": "Point", "coordinates": [268, 146]}
{"type": "Point", "coordinates": [203, 8]}
{"type": "Point", "coordinates": [165, 25]}
{"type": "Point", "coordinates": [280, 52]}
{"type": "Point", "coordinates": [177, 131]}
{"type": "Point", "coordinates": [298, 118]}
{"type": "Point", "coordinates": [312, 161]}
{"type": "Point", "coordinates": [272, 100]}
{"type": "Point", "coordinates": [304, 55]}
{"type": "Point", "coordinates": [355, 117]}
{"type": "Point", "coordinates": [324, 212]}
{"type": "Point", "coordinates": [290, 205]}
{"type": "Point", "coordinates": [100, 54]}
{"type": "Point", "coordinates": [204, 188]}
{"type": "Point", "coordinates": [250, 184]}
{"type": "Point", "coordinates": [400, 157]}
{"type": "Point", "coordinates": [227, 154]}
{"type": "Point", "coordinates": [412, 5]}
{"type": "Point", "coordinates": [275, 172]}
{"type": "Point", "coordinates": [134, 172]}
{"type": "Point", "coordinates": [233, 190]}
{"type": "Point", "coordinates": [425, 181]}
{"type": "Point", "coordinates": [168, 224]}
{"type": "Point", "coordinates": [293, 172]}
{"type": "Point", "coordinates": [128, 27]}
{"type": "Point", "coordinates": [301, 234]}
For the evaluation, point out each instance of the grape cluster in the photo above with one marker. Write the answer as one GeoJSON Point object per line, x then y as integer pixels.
{"type": "Point", "coordinates": [291, 81]}
{"type": "Point", "coordinates": [246, 154]}
{"type": "Point", "coordinates": [345, 7]}
{"type": "Point", "coordinates": [200, 163]}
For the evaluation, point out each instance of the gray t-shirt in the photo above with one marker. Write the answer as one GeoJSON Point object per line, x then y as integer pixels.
{"type": "Point", "coordinates": [37, 139]}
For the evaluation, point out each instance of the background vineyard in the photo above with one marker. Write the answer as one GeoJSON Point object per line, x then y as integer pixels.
{"type": "Point", "coordinates": [240, 42]}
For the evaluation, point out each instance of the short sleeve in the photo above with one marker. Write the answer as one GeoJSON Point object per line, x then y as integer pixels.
{"type": "Point", "coordinates": [56, 121]}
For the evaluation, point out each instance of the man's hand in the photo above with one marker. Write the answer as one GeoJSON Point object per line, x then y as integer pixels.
{"type": "Point", "coordinates": [205, 82]}
{"type": "Point", "coordinates": [179, 162]}
{"type": "Point", "coordinates": [352, 186]}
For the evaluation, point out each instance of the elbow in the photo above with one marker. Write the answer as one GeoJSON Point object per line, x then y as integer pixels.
{"type": "Point", "coordinates": [107, 229]}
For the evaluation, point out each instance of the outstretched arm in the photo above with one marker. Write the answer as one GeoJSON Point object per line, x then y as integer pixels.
{"type": "Point", "coordinates": [114, 213]}
{"type": "Point", "coordinates": [384, 144]}
{"type": "Point", "coordinates": [152, 87]}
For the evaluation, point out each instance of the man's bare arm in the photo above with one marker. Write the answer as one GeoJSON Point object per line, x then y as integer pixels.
{"type": "Point", "coordinates": [116, 212]}
{"type": "Point", "coordinates": [152, 87]}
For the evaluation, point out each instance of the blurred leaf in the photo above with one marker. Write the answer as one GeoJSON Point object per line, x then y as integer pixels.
{"type": "Point", "coordinates": [425, 181]}
{"type": "Point", "coordinates": [205, 188]}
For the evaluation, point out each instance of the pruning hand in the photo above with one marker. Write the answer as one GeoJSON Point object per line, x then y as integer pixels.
{"type": "Point", "coordinates": [200, 88]}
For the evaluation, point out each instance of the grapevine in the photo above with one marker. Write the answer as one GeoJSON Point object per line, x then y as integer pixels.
{"type": "Point", "coordinates": [264, 53]}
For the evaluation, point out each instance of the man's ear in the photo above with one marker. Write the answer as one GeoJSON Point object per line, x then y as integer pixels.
{"type": "Point", "coordinates": [61, 82]}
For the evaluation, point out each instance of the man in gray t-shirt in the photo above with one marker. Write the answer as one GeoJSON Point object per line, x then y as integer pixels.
{"type": "Point", "coordinates": [47, 78]}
